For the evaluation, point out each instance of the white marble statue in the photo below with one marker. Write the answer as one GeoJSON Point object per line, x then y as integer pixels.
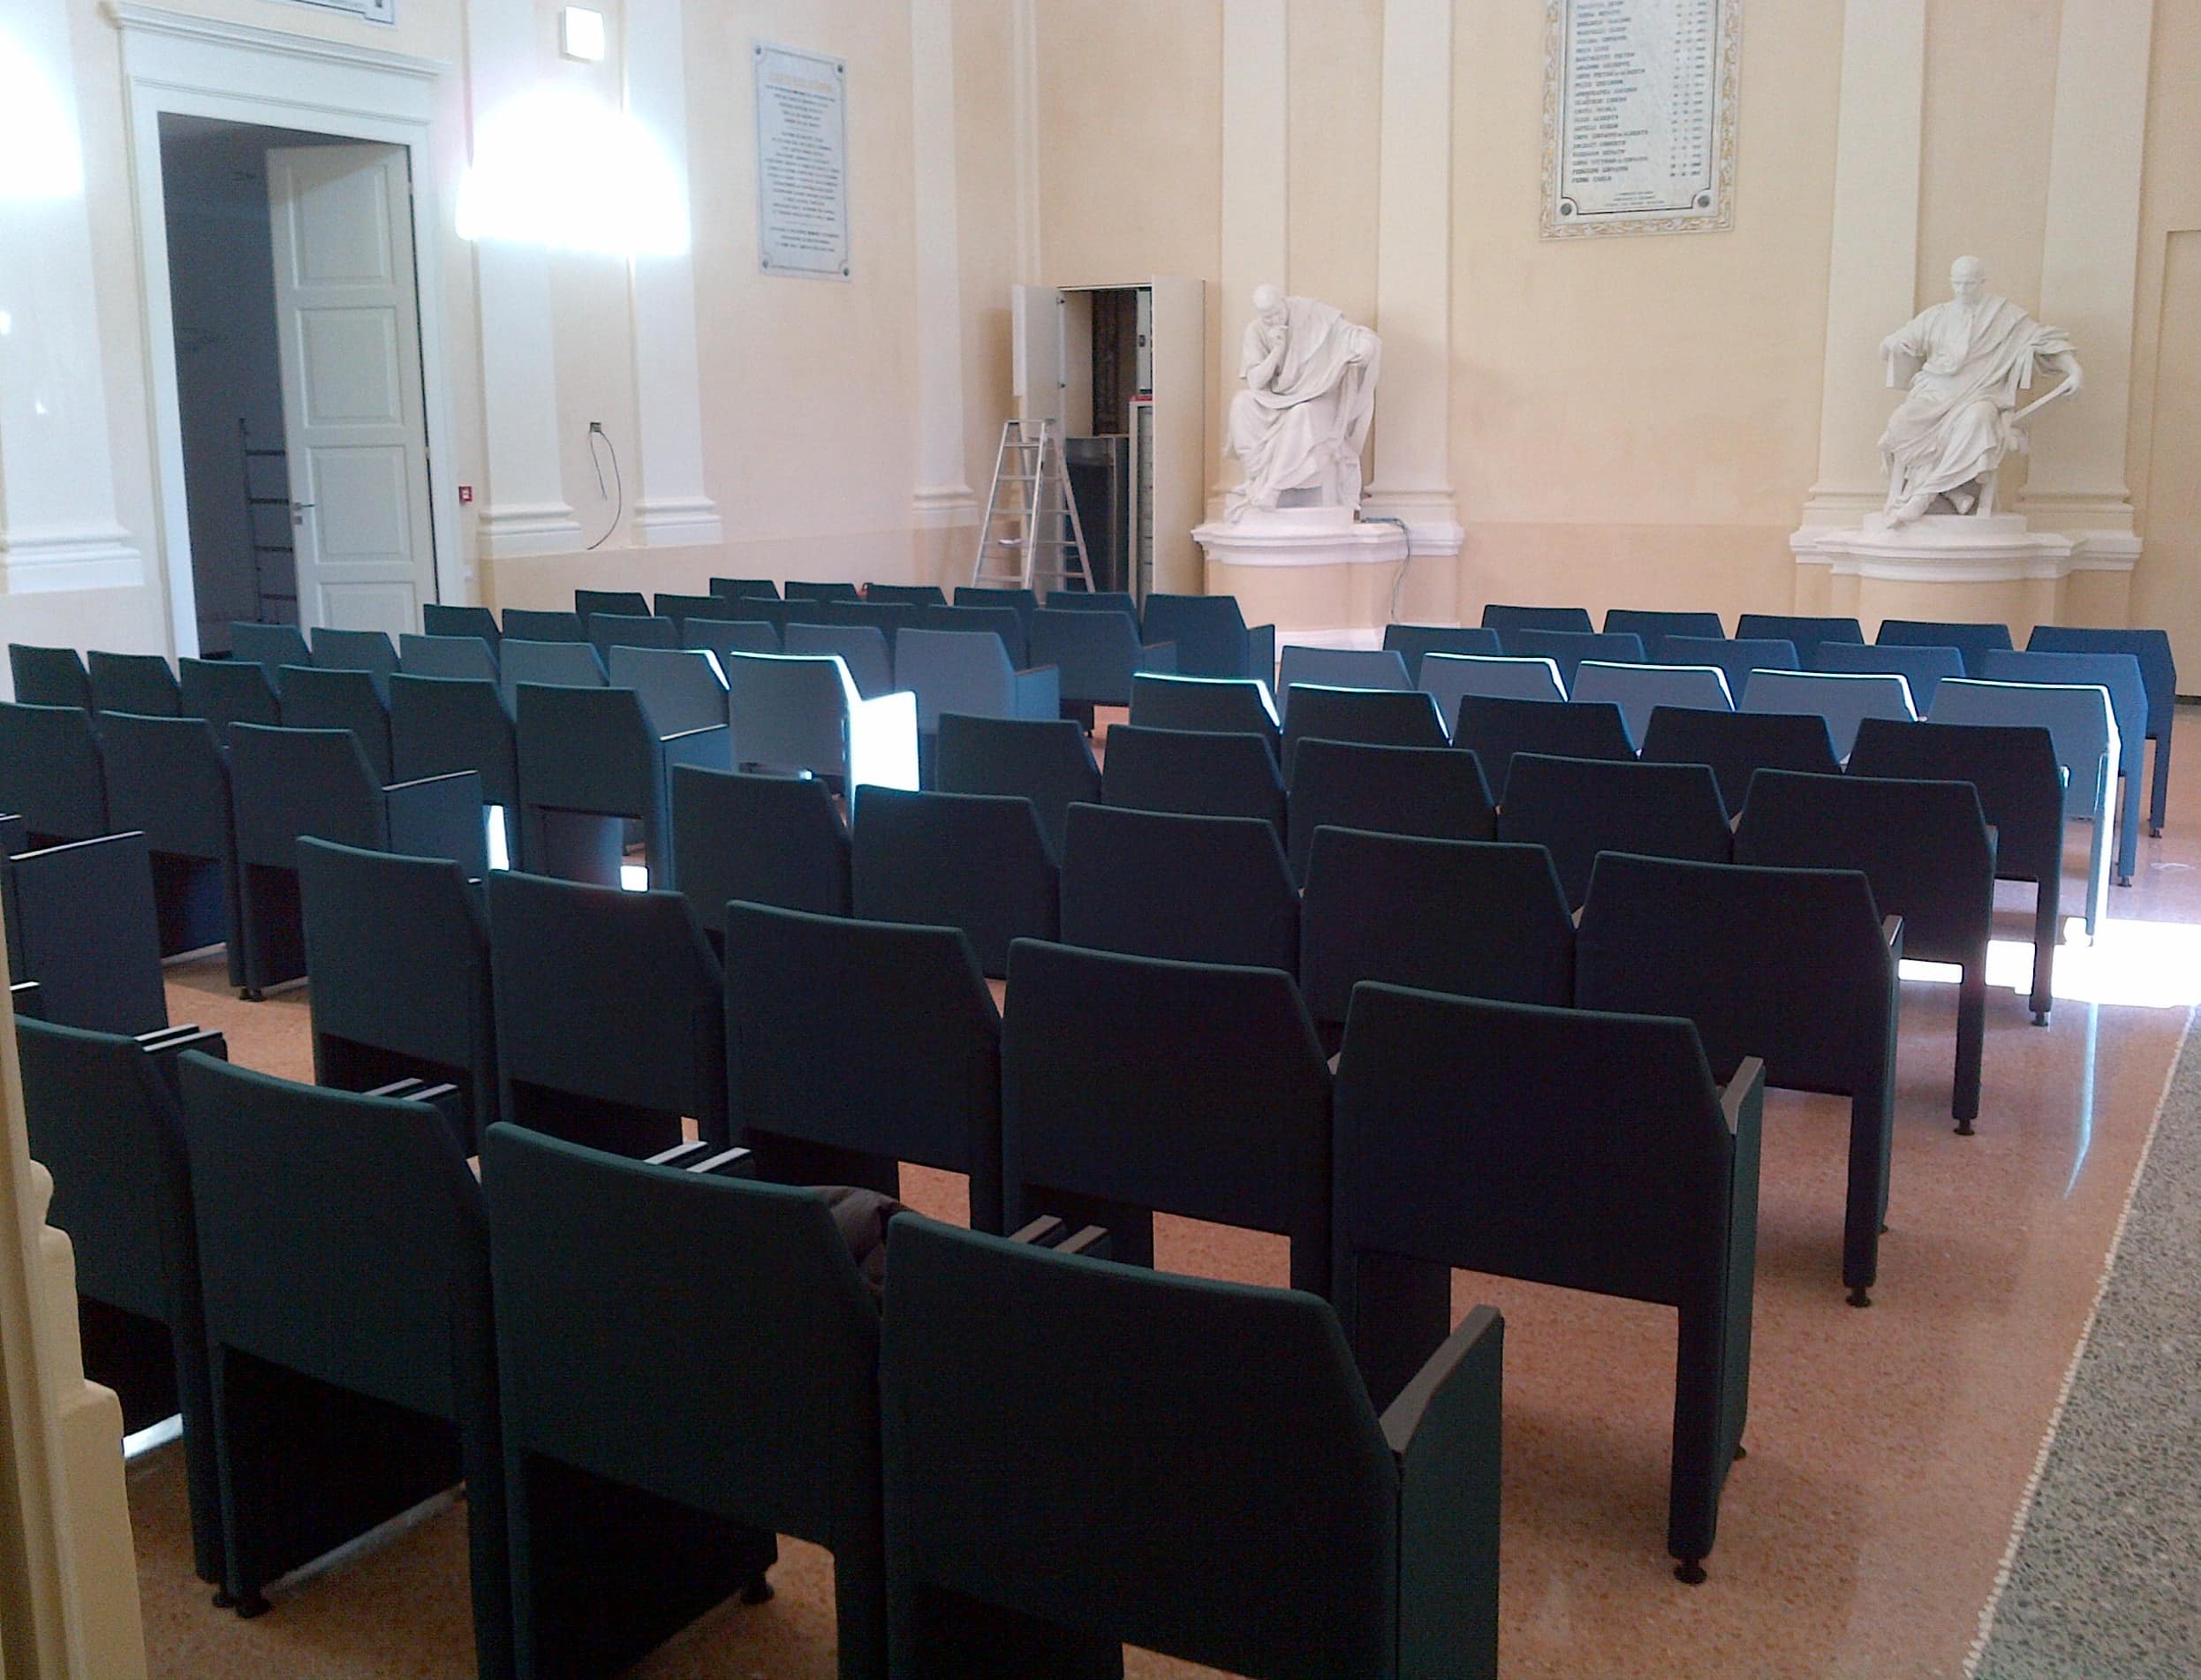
{"type": "Point", "coordinates": [1299, 423]}
{"type": "Point", "coordinates": [1967, 359]}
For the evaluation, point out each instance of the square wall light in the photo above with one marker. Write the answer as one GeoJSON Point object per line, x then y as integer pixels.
{"type": "Point", "coordinates": [581, 33]}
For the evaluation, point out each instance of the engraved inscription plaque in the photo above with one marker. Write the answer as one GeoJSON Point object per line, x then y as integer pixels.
{"type": "Point", "coordinates": [802, 163]}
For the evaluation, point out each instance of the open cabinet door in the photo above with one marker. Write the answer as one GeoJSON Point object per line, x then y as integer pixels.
{"type": "Point", "coordinates": [347, 317]}
{"type": "Point", "coordinates": [1180, 446]}
{"type": "Point", "coordinates": [1035, 325]}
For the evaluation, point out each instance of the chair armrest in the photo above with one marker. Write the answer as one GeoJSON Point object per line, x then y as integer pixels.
{"type": "Point", "coordinates": [439, 816]}
{"type": "Point", "coordinates": [710, 748]}
{"type": "Point", "coordinates": [1892, 934]}
{"type": "Point", "coordinates": [679, 1155]}
{"type": "Point", "coordinates": [1744, 1098]}
{"type": "Point", "coordinates": [29, 1002]}
{"type": "Point", "coordinates": [737, 1163]}
{"type": "Point", "coordinates": [1038, 693]}
{"type": "Point", "coordinates": [162, 1047]}
{"type": "Point", "coordinates": [1260, 651]}
{"type": "Point", "coordinates": [1445, 1430]}
{"type": "Point", "coordinates": [1048, 1231]}
{"type": "Point", "coordinates": [1159, 657]}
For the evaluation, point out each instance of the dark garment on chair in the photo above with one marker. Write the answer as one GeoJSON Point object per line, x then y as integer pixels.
{"type": "Point", "coordinates": [1494, 729]}
{"type": "Point", "coordinates": [1502, 617]}
{"type": "Point", "coordinates": [1655, 627]}
{"type": "Point", "coordinates": [1411, 641]}
{"type": "Point", "coordinates": [978, 862]}
{"type": "Point", "coordinates": [168, 778]}
{"type": "Point", "coordinates": [49, 676]}
{"type": "Point", "coordinates": [1193, 772]}
{"type": "Point", "coordinates": [398, 954]}
{"type": "Point", "coordinates": [2021, 795]}
{"type": "Point", "coordinates": [609, 1014]}
{"type": "Point", "coordinates": [341, 698]}
{"type": "Point", "coordinates": [225, 691]}
{"type": "Point", "coordinates": [1925, 847]}
{"type": "Point", "coordinates": [2158, 672]}
{"type": "Point", "coordinates": [1576, 808]}
{"type": "Point", "coordinates": [1563, 1147]}
{"type": "Point", "coordinates": [852, 1045]}
{"type": "Point", "coordinates": [656, 1439]}
{"type": "Point", "coordinates": [1048, 761]}
{"type": "Point", "coordinates": [1201, 889]}
{"type": "Point", "coordinates": [1132, 1085]}
{"type": "Point", "coordinates": [352, 1359]}
{"type": "Point", "coordinates": [1973, 642]}
{"type": "Point", "coordinates": [1739, 745]}
{"type": "Point", "coordinates": [81, 922]}
{"type": "Point", "coordinates": [1437, 792]}
{"type": "Point", "coordinates": [1080, 1454]}
{"type": "Point", "coordinates": [1373, 717]}
{"type": "Point", "coordinates": [51, 773]}
{"type": "Point", "coordinates": [768, 839]}
{"type": "Point", "coordinates": [1791, 965]}
{"type": "Point", "coordinates": [139, 684]}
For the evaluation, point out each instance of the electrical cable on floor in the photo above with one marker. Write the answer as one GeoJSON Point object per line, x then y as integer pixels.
{"type": "Point", "coordinates": [619, 510]}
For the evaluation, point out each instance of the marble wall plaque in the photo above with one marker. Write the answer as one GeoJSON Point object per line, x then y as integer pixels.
{"type": "Point", "coordinates": [1639, 100]}
{"type": "Point", "coordinates": [802, 162]}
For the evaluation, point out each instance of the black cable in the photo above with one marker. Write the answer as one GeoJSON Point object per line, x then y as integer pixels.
{"type": "Point", "coordinates": [618, 481]}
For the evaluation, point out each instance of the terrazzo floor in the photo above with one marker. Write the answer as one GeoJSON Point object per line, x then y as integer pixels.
{"type": "Point", "coordinates": [1889, 1447]}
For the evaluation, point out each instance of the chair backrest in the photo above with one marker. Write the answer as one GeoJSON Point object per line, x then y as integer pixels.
{"type": "Point", "coordinates": [680, 689]}
{"type": "Point", "coordinates": [1167, 1507]}
{"type": "Point", "coordinates": [1502, 616]}
{"type": "Point", "coordinates": [1737, 659]}
{"type": "Point", "coordinates": [790, 713]}
{"type": "Point", "coordinates": [1006, 624]}
{"type": "Point", "coordinates": [366, 650]}
{"type": "Point", "coordinates": [167, 778]}
{"type": "Point", "coordinates": [1923, 845]}
{"type": "Point", "coordinates": [768, 839]}
{"type": "Point", "coordinates": [1640, 690]}
{"type": "Point", "coordinates": [2081, 726]}
{"type": "Point", "coordinates": [1023, 602]}
{"type": "Point", "coordinates": [1563, 1145]}
{"type": "Point", "coordinates": [1193, 772]}
{"type": "Point", "coordinates": [2119, 673]}
{"type": "Point", "coordinates": [1201, 889]}
{"type": "Point", "coordinates": [49, 676]}
{"type": "Point", "coordinates": [745, 588]}
{"type": "Point", "coordinates": [803, 589]}
{"type": "Point", "coordinates": [1739, 745]}
{"type": "Point", "coordinates": [1787, 965]}
{"type": "Point", "coordinates": [82, 922]}
{"type": "Point", "coordinates": [1434, 792]}
{"type": "Point", "coordinates": [227, 690]}
{"type": "Point", "coordinates": [1047, 760]}
{"type": "Point", "coordinates": [1495, 730]}
{"type": "Point", "coordinates": [1476, 919]}
{"type": "Point", "coordinates": [976, 861]}
{"type": "Point", "coordinates": [286, 782]}
{"type": "Point", "coordinates": [1209, 632]}
{"type": "Point", "coordinates": [1095, 654]}
{"type": "Point", "coordinates": [1338, 668]}
{"type": "Point", "coordinates": [626, 603]}
{"type": "Point", "coordinates": [1655, 627]}
{"type": "Point", "coordinates": [908, 594]}
{"type": "Point", "coordinates": [1412, 642]}
{"type": "Point", "coordinates": [724, 636]}
{"type": "Point", "coordinates": [1568, 648]}
{"type": "Point", "coordinates": [269, 646]}
{"type": "Point", "coordinates": [2152, 647]}
{"type": "Point", "coordinates": [1115, 601]}
{"type": "Point", "coordinates": [1844, 700]}
{"type": "Point", "coordinates": [888, 618]}
{"type": "Point", "coordinates": [570, 664]}
{"type": "Point", "coordinates": [1447, 678]}
{"type": "Point", "coordinates": [1806, 632]}
{"type": "Point", "coordinates": [139, 684]}
{"type": "Point", "coordinates": [398, 954]}
{"type": "Point", "coordinates": [1922, 668]}
{"type": "Point", "coordinates": [1373, 717]}
{"type": "Point", "coordinates": [609, 1010]}
{"type": "Point", "coordinates": [341, 698]}
{"type": "Point", "coordinates": [680, 608]}
{"type": "Point", "coordinates": [1233, 705]}
{"type": "Point", "coordinates": [526, 624]}
{"type": "Point", "coordinates": [586, 750]}
{"type": "Point", "coordinates": [863, 650]}
{"type": "Point", "coordinates": [876, 1037]}
{"type": "Point", "coordinates": [955, 671]}
{"type": "Point", "coordinates": [610, 630]}
{"type": "Point", "coordinates": [1192, 1088]}
{"type": "Point", "coordinates": [1974, 641]}
{"type": "Point", "coordinates": [437, 620]}
{"type": "Point", "coordinates": [1576, 808]}
{"type": "Point", "coordinates": [50, 773]}
{"type": "Point", "coordinates": [457, 656]}
{"type": "Point", "coordinates": [2013, 768]}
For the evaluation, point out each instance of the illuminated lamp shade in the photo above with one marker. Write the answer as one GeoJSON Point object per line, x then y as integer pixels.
{"type": "Point", "coordinates": [557, 169]}
{"type": "Point", "coordinates": [39, 160]}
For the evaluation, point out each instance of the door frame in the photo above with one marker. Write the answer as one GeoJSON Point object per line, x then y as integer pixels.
{"type": "Point", "coordinates": [203, 67]}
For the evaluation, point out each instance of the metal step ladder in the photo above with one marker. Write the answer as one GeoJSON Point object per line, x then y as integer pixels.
{"type": "Point", "coordinates": [1032, 539]}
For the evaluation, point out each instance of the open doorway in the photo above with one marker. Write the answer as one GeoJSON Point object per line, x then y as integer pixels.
{"type": "Point", "coordinates": [299, 377]}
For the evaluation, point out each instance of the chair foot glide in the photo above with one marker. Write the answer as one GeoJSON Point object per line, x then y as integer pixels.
{"type": "Point", "coordinates": [1741, 1452]}
{"type": "Point", "coordinates": [2041, 1017]}
{"type": "Point", "coordinates": [252, 1605]}
{"type": "Point", "coordinates": [252, 995]}
{"type": "Point", "coordinates": [1963, 1129]}
{"type": "Point", "coordinates": [756, 1589]}
{"type": "Point", "coordinates": [1690, 1571]}
{"type": "Point", "coordinates": [1858, 1297]}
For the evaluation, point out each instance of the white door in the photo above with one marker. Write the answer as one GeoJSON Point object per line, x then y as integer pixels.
{"type": "Point", "coordinates": [348, 316]}
{"type": "Point", "coordinates": [1035, 328]}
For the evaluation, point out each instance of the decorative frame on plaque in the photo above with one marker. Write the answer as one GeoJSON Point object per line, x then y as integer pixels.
{"type": "Point", "coordinates": [802, 162]}
{"type": "Point", "coordinates": [1639, 112]}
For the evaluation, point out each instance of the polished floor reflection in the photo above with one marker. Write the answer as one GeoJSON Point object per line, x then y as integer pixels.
{"type": "Point", "coordinates": [1889, 1447]}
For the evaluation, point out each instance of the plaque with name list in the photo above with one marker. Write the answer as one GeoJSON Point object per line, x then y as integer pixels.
{"type": "Point", "coordinates": [1639, 105]}
{"type": "Point", "coordinates": [802, 163]}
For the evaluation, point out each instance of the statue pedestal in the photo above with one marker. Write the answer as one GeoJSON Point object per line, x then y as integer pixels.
{"type": "Point", "coordinates": [1322, 576]}
{"type": "Point", "coordinates": [1966, 567]}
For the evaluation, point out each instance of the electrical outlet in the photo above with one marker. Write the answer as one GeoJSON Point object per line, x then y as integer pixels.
{"type": "Point", "coordinates": [596, 428]}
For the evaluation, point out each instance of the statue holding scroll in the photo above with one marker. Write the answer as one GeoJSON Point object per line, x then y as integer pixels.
{"type": "Point", "coordinates": [1967, 360]}
{"type": "Point", "coordinates": [1299, 423]}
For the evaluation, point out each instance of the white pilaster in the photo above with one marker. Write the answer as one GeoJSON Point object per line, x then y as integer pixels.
{"type": "Point", "coordinates": [2090, 259]}
{"type": "Point", "coordinates": [943, 497]}
{"type": "Point", "coordinates": [1412, 479]}
{"type": "Point", "coordinates": [59, 528]}
{"type": "Point", "coordinates": [672, 508]}
{"type": "Point", "coordinates": [1255, 199]}
{"type": "Point", "coordinates": [526, 511]}
{"type": "Point", "coordinates": [1023, 46]}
